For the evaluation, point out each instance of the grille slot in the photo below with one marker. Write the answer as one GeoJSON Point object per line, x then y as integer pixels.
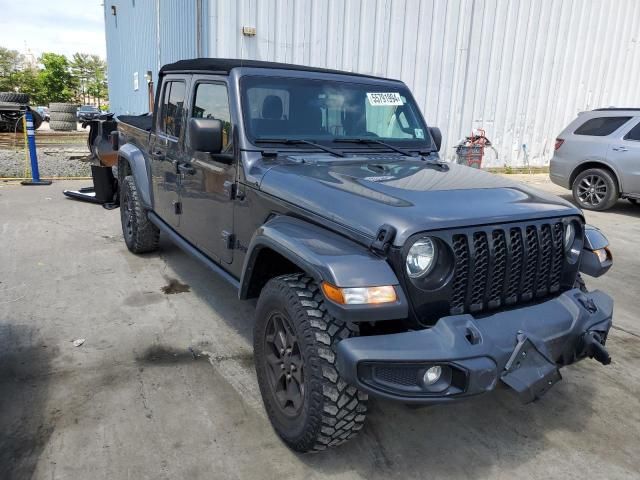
{"type": "Point", "coordinates": [495, 267]}
{"type": "Point", "coordinates": [461, 262]}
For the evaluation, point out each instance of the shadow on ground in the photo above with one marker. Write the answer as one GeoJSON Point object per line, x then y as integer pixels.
{"type": "Point", "coordinates": [25, 425]}
{"type": "Point", "coordinates": [622, 207]}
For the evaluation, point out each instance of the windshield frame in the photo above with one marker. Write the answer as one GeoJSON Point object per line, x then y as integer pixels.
{"type": "Point", "coordinates": [371, 83]}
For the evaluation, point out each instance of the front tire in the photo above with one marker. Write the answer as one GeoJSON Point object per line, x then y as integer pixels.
{"type": "Point", "coordinates": [140, 235]}
{"type": "Point", "coordinates": [295, 339]}
{"type": "Point", "coordinates": [595, 189]}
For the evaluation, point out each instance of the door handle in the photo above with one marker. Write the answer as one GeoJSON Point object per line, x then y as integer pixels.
{"type": "Point", "coordinates": [619, 149]}
{"type": "Point", "coordinates": [186, 169]}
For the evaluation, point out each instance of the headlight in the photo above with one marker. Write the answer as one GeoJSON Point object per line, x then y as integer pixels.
{"type": "Point", "coordinates": [421, 258]}
{"type": "Point", "coordinates": [569, 236]}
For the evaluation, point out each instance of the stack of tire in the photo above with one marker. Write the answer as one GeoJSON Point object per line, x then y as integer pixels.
{"type": "Point", "coordinates": [63, 117]}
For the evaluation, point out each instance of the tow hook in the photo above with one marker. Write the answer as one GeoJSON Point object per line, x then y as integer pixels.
{"type": "Point", "coordinates": [592, 347]}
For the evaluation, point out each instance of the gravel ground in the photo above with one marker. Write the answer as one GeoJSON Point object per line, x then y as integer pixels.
{"type": "Point", "coordinates": [59, 154]}
{"type": "Point", "coordinates": [51, 163]}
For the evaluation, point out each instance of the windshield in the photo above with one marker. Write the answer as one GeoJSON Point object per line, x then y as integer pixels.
{"type": "Point", "coordinates": [88, 109]}
{"type": "Point", "coordinates": [325, 111]}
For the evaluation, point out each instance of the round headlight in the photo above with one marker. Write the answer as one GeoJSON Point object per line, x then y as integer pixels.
{"type": "Point", "coordinates": [569, 236]}
{"type": "Point", "coordinates": [421, 258]}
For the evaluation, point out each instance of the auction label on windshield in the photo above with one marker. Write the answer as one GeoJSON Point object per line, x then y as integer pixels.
{"type": "Point", "coordinates": [384, 98]}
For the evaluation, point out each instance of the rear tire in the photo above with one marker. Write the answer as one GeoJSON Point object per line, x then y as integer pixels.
{"type": "Point", "coordinates": [595, 189]}
{"type": "Point", "coordinates": [295, 339]}
{"type": "Point", "coordinates": [140, 235]}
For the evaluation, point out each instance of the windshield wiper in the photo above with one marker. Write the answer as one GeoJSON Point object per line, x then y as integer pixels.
{"type": "Point", "coordinates": [404, 152]}
{"type": "Point", "coordinates": [292, 141]}
{"type": "Point", "coordinates": [435, 162]}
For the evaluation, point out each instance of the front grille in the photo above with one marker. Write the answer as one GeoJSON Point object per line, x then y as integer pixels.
{"type": "Point", "coordinates": [502, 266]}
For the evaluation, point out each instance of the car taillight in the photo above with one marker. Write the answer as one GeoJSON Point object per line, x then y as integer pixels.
{"type": "Point", "coordinates": [559, 142]}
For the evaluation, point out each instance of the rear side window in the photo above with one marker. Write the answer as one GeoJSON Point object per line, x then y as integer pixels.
{"type": "Point", "coordinates": [172, 109]}
{"type": "Point", "coordinates": [634, 133]}
{"type": "Point", "coordinates": [601, 126]}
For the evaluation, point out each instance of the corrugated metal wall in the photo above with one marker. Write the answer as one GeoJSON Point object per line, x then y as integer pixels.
{"type": "Point", "coordinates": [134, 45]}
{"type": "Point", "coordinates": [519, 69]}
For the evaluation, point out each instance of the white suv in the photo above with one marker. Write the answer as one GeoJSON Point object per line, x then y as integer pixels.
{"type": "Point", "coordinates": [598, 157]}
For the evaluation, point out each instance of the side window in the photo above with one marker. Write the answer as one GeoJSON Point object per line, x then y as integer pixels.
{"type": "Point", "coordinates": [211, 101]}
{"type": "Point", "coordinates": [601, 126]}
{"type": "Point", "coordinates": [172, 109]}
{"type": "Point", "coordinates": [634, 133]}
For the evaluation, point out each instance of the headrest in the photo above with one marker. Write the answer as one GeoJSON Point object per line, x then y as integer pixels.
{"type": "Point", "coordinates": [272, 107]}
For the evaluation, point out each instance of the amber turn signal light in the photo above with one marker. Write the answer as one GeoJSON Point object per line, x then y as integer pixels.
{"type": "Point", "coordinates": [360, 295]}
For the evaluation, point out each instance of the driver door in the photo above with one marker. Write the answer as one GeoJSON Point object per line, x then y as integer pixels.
{"type": "Point", "coordinates": [208, 180]}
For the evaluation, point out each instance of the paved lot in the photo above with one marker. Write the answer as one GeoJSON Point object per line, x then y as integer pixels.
{"type": "Point", "coordinates": [164, 386]}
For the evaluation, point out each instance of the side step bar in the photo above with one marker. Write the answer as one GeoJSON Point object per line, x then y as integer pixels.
{"type": "Point", "coordinates": [191, 250]}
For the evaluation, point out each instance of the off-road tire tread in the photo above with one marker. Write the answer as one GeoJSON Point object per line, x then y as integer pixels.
{"type": "Point", "coordinates": [63, 107]}
{"type": "Point", "coordinates": [63, 126]}
{"type": "Point", "coordinates": [612, 186]}
{"type": "Point", "coordinates": [63, 117]}
{"type": "Point", "coordinates": [146, 235]}
{"type": "Point", "coordinates": [337, 410]}
{"type": "Point", "coordinates": [12, 97]}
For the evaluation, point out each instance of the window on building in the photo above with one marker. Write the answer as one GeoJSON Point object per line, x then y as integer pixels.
{"type": "Point", "coordinates": [172, 115]}
{"type": "Point", "coordinates": [634, 133]}
{"type": "Point", "coordinates": [601, 126]}
{"type": "Point", "coordinates": [211, 101]}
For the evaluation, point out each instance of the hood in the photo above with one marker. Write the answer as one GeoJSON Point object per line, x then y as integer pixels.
{"type": "Point", "coordinates": [408, 194]}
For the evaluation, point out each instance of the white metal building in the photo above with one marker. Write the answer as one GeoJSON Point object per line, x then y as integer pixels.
{"type": "Point", "coordinates": [520, 69]}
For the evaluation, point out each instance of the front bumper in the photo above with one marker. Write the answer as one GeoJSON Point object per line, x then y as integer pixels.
{"type": "Point", "coordinates": [523, 347]}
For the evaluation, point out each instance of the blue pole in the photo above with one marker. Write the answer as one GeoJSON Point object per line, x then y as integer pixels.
{"type": "Point", "coordinates": [31, 144]}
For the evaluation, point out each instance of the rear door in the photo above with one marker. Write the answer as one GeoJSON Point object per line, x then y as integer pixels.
{"type": "Point", "coordinates": [208, 181]}
{"type": "Point", "coordinates": [164, 148]}
{"type": "Point", "coordinates": [624, 153]}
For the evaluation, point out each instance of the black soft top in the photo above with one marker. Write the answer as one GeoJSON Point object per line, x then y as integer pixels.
{"type": "Point", "coordinates": [225, 65]}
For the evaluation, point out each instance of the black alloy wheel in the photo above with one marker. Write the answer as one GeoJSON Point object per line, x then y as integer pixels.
{"type": "Point", "coordinates": [286, 366]}
{"type": "Point", "coordinates": [595, 189]}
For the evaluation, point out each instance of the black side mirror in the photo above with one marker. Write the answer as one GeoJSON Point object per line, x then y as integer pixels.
{"type": "Point", "coordinates": [205, 135]}
{"type": "Point", "coordinates": [436, 135]}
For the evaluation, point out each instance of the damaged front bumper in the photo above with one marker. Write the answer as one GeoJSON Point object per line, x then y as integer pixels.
{"type": "Point", "coordinates": [524, 348]}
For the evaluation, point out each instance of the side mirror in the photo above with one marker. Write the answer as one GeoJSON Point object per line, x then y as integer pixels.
{"type": "Point", "coordinates": [436, 135]}
{"type": "Point", "coordinates": [205, 135]}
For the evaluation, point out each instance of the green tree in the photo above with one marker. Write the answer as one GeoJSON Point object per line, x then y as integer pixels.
{"type": "Point", "coordinates": [28, 80]}
{"type": "Point", "coordinates": [97, 80]}
{"type": "Point", "coordinates": [10, 64]}
{"type": "Point", "coordinates": [57, 81]}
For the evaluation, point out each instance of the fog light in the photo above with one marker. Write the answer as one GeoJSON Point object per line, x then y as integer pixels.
{"type": "Point", "coordinates": [432, 375]}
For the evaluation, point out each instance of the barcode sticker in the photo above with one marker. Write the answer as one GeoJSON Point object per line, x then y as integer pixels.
{"type": "Point", "coordinates": [384, 98]}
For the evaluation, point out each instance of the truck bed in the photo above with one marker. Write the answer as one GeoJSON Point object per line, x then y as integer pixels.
{"type": "Point", "coordinates": [143, 122]}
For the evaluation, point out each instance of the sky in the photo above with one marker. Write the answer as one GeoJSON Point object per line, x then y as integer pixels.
{"type": "Point", "coordinates": [60, 26]}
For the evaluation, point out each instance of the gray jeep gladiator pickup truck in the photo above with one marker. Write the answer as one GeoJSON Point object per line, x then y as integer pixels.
{"type": "Point", "coordinates": [378, 269]}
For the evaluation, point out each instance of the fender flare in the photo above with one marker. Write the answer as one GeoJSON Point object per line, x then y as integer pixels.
{"type": "Point", "coordinates": [140, 171]}
{"type": "Point", "coordinates": [326, 256]}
